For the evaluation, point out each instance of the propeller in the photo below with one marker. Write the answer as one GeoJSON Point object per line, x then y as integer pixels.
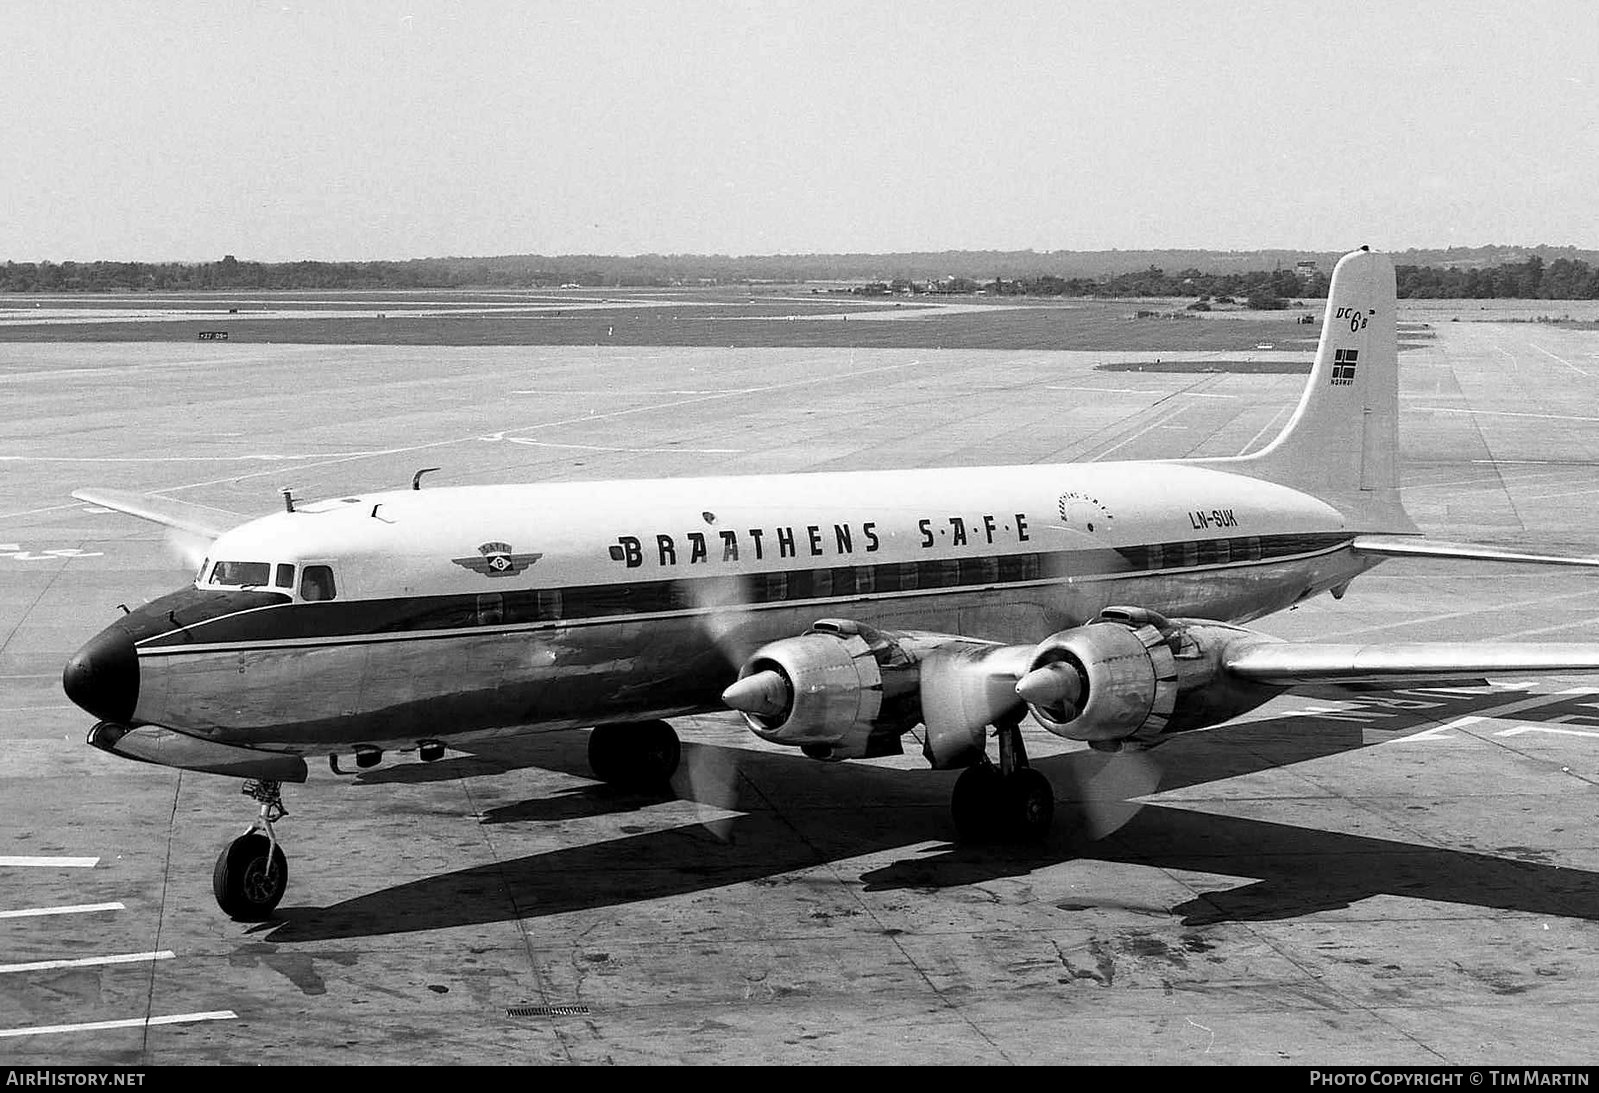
{"type": "Point", "coordinates": [1098, 789]}
{"type": "Point", "coordinates": [189, 547]}
{"type": "Point", "coordinates": [710, 774]}
{"type": "Point", "coordinates": [964, 689]}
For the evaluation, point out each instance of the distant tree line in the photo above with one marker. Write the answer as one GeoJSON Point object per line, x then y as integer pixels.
{"type": "Point", "coordinates": [1007, 274]}
{"type": "Point", "coordinates": [1258, 285]}
{"type": "Point", "coordinates": [1561, 279]}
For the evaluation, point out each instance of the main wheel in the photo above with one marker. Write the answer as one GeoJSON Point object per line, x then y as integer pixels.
{"type": "Point", "coordinates": [1027, 805]}
{"type": "Point", "coordinates": [250, 877]}
{"type": "Point", "coordinates": [975, 804]}
{"type": "Point", "coordinates": [643, 755]}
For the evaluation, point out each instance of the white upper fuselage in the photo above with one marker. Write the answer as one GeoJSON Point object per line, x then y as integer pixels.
{"type": "Point", "coordinates": [412, 542]}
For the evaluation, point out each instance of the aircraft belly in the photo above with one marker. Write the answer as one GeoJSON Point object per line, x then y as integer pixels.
{"type": "Point", "coordinates": [393, 690]}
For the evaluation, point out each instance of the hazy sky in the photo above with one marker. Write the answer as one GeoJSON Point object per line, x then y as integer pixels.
{"type": "Point", "coordinates": [345, 131]}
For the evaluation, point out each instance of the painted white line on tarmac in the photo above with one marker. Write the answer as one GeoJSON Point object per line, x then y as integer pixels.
{"type": "Point", "coordinates": [582, 419]}
{"type": "Point", "coordinates": [134, 1022]}
{"type": "Point", "coordinates": [1519, 729]}
{"type": "Point", "coordinates": [1562, 360]}
{"type": "Point", "coordinates": [1439, 732]}
{"type": "Point", "coordinates": [88, 961]}
{"type": "Point", "coordinates": [1502, 413]}
{"type": "Point", "coordinates": [1263, 430]}
{"type": "Point", "coordinates": [1157, 423]}
{"type": "Point", "coordinates": [604, 448]}
{"type": "Point", "coordinates": [75, 909]}
{"type": "Point", "coordinates": [48, 863]}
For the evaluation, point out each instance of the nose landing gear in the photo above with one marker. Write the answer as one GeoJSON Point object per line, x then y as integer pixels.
{"type": "Point", "coordinates": [252, 873]}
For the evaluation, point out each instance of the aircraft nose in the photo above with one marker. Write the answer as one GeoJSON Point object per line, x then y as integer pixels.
{"type": "Point", "coordinates": [103, 676]}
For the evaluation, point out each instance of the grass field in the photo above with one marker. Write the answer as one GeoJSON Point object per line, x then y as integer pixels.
{"type": "Point", "coordinates": [659, 318]}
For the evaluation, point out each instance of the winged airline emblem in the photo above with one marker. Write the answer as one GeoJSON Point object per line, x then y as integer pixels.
{"type": "Point", "coordinates": [497, 560]}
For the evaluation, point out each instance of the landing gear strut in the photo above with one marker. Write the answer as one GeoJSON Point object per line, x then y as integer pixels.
{"type": "Point", "coordinates": [1009, 801]}
{"type": "Point", "coordinates": [639, 756]}
{"type": "Point", "coordinates": [251, 872]}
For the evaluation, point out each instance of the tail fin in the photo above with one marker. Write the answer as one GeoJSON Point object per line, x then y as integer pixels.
{"type": "Point", "coordinates": [1342, 444]}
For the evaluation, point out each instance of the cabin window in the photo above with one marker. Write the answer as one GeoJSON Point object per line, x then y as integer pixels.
{"type": "Point", "coordinates": [979, 570]}
{"type": "Point", "coordinates": [241, 574]}
{"type": "Point", "coordinates": [548, 602]}
{"type": "Point", "coordinates": [204, 565]}
{"type": "Point", "coordinates": [284, 578]}
{"type": "Point", "coordinates": [317, 583]}
{"type": "Point", "coordinates": [490, 609]}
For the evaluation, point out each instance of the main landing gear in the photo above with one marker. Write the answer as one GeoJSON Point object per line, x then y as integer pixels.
{"type": "Point", "coordinates": [251, 872]}
{"type": "Point", "coordinates": [640, 756]}
{"type": "Point", "coordinates": [1007, 802]}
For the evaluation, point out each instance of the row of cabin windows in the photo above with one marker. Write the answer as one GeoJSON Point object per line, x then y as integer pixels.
{"type": "Point", "coordinates": [646, 597]}
{"type": "Point", "coordinates": [554, 604]}
{"type": "Point", "coordinates": [1250, 548]}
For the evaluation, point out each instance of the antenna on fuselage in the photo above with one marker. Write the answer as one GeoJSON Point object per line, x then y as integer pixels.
{"type": "Point", "coordinates": [288, 499]}
{"type": "Point", "coordinates": [416, 479]}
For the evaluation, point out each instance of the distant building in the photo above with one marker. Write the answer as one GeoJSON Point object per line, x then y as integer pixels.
{"type": "Point", "coordinates": [1305, 269]}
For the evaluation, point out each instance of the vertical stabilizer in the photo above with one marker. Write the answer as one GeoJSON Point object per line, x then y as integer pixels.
{"type": "Point", "coordinates": [1342, 444]}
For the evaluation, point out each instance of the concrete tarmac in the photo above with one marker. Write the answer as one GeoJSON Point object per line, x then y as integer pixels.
{"type": "Point", "coordinates": [1338, 878]}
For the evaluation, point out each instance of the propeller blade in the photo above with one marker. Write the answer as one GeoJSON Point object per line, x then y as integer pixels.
{"type": "Point", "coordinates": [189, 547]}
{"type": "Point", "coordinates": [964, 690]}
{"type": "Point", "coordinates": [710, 780]}
{"type": "Point", "coordinates": [1099, 789]}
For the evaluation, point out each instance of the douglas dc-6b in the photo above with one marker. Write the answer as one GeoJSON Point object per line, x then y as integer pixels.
{"type": "Point", "coordinates": [835, 612]}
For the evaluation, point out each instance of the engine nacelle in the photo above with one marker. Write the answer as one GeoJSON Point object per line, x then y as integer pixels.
{"type": "Point", "coordinates": [1131, 677]}
{"type": "Point", "coordinates": [841, 690]}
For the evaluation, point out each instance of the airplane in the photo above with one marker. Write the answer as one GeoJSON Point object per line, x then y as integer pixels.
{"type": "Point", "coordinates": [838, 613]}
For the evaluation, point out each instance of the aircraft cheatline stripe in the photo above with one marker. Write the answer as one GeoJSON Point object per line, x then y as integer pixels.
{"type": "Point", "coordinates": [392, 619]}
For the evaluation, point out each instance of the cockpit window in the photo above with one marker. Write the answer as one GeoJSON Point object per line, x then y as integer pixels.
{"type": "Point", "coordinates": [316, 583]}
{"type": "Point", "coordinates": [240, 574]}
{"type": "Point", "coordinates": [284, 577]}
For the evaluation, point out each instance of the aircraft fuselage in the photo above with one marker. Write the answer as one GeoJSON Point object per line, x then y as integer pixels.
{"type": "Point", "coordinates": [471, 610]}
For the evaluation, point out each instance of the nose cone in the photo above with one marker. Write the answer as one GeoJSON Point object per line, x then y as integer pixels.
{"type": "Point", "coordinates": [103, 676]}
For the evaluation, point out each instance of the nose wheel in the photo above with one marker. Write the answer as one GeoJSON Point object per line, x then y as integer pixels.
{"type": "Point", "coordinates": [252, 872]}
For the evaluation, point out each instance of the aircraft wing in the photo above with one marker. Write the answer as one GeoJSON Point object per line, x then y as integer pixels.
{"type": "Point", "coordinates": [184, 515]}
{"type": "Point", "coordinates": [1406, 546]}
{"type": "Point", "coordinates": [1404, 664]}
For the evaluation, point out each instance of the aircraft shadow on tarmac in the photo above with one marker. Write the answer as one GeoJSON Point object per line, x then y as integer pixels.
{"type": "Point", "coordinates": [797, 814]}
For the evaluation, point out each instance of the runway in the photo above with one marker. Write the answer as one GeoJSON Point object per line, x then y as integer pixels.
{"type": "Point", "coordinates": [1339, 878]}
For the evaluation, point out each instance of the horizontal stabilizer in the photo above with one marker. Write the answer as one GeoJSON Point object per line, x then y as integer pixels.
{"type": "Point", "coordinates": [1289, 663]}
{"type": "Point", "coordinates": [1404, 546]}
{"type": "Point", "coordinates": [184, 515]}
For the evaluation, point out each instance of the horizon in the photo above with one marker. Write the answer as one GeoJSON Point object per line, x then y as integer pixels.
{"type": "Point", "coordinates": [1533, 247]}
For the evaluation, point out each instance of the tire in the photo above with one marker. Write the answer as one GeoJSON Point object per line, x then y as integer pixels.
{"type": "Point", "coordinates": [1028, 805]}
{"type": "Point", "coordinates": [975, 804]}
{"type": "Point", "coordinates": [641, 756]}
{"type": "Point", "coordinates": [246, 885]}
